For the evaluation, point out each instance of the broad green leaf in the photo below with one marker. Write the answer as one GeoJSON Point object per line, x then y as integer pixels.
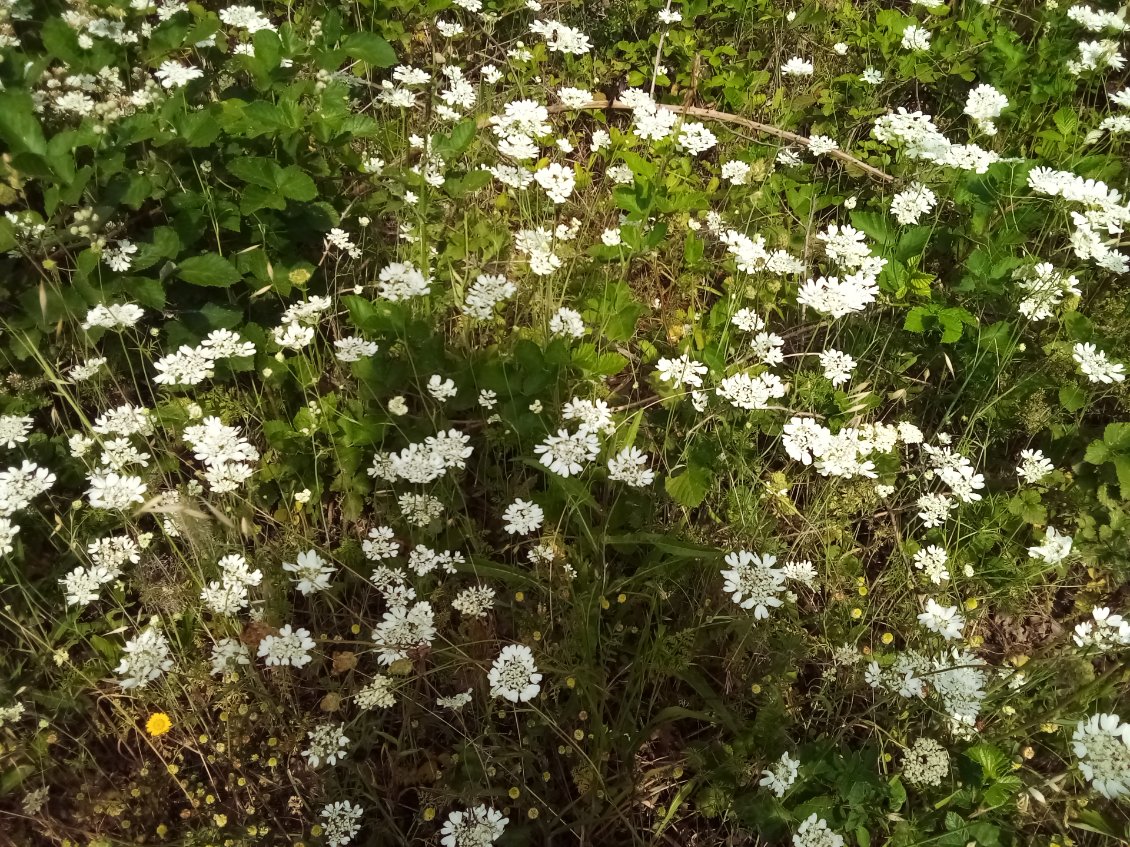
{"type": "Point", "coordinates": [370, 48]}
{"type": "Point", "coordinates": [210, 269]}
{"type": "Point", "coordinates": [1072, 398]}
{"type": "Point", "coordinates": [255, 170]}
{"type": "Point", "coordinates": [690, 487]}
{"type": "Point", "coordinates": [19, 126]}
{"type": "Point", "coordinates": [296, 184]}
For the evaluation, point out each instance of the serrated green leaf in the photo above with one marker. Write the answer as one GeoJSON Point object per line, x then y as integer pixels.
{"type": "Point", "coordinates": [296, 184]}
{"type": "Point", "coordinates": [1072, 398]}
{"type": "Point", "coordinates": [255, 170]}
{"type": "Point", "coordinates": [19, 126]}
{"type": "Point", "coordinates": [211, 269]}
{"type": "Point", "coordinates": [690, 487]}
{"type": "Point", "coordinates": [370, 48]}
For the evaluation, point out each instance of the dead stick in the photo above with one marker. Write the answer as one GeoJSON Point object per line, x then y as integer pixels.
{"type": "Point", "coordinates": [726, 117]}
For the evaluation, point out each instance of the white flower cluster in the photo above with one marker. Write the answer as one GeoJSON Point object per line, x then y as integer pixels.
{"type": "Point", "coordinates": [956, 678]}
{"type": "Point", "coordinates": [857, 284]}
{"type": "Point", "coordinates": [1106, 631]}
{"type": "Point", "coordinates": [514, 674]}
{"type": "Point", "coordinates": [116, 316]}
{"type": "Point", "coordinates": [228, 655]}
{"type": "Point", "coordinates": [560, 38]}
{"type": "Point", "coordinates": [327, 744]}
{"type": "Point", "coordinates": [18, 487]}
{"type": "Point", "coordinates": [485, 293]}
{"type": "Point", "coordinates": [425, 461]}
{"type": "Point", "coordinates": [226, 454]}
{"type": "Point", "coordinates": [781, 775]}
{"type": "Point", "coordinates": [192, 365]}
{"type": "Point", "coordinates": [946, 621]}
{"type": "Point", "coordinates": [1103, 211]}
{"type": "Point", "coordinates": [750, 255]}
{"type": "Point", "coordinates": [753, 582]}
{"type": "Point", "coordinates": [955, 471]}
{"type": "Point", "coordinates": [910, 205]}
{"type": "Point", "coordinates": [925, 762]}
{"type": "Point", "coordinates": [984, 104]}
{"type": "Point", "coordinates": [288, 646]}
{"type": "Point", "coordinates": [341, 822]}
{"type": "Point", "coordinates": [1034, 466]}
{"type": "Point", "coordinates": [311, 573]}
{"type": "Point", "coordinates": [650, 120]}
{"type": "Point", "coordinates": [1055, 549]}
{"type": "Point", "coordinates": [1095, 365]}
{"type": "Point", "coordinates": [404, 629]}
{"type": "Point", "coordinates": [932, 560]}
{"type": "Point", "coordinates": [1044, 288]}
{"type": "Point", "coordinates": [538, 246]}
{"type": "Point", "coordinates": [146, 657]}
{"type": "Point", "coordinates": [815, 832]}
{"type": "Point", "coordinates": [1102, 746]}
{"type": "Point", "coordinates": [844, 454]}
{"type": "Point", "coordinates": [229, 594]}
{"type": "Point", "coordinates": [1096, 20]}
{"type": "Point", "coordinates": [921, 140]}
{"type": "Point", "coordinates": [477, 827]}
{"type": "Point", "coordinates": [1097, 56]}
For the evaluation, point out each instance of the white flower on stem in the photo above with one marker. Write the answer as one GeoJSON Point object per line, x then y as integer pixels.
{"type": "Point", "coordinates": [945, 621]}
{"type": "Point", "coordinates": [1055, 548]}
{"type": "Point", "coordinates": [916, 39]}
{"type": "Point", "coordinates": [752, 582]}
{"type": "Point", "coordinates": [311, 572]}
{"type": "Point", "coordinates": [797, 66]}
{"type": "Point", "coordinates": [514, 675]}
{"type": "Point", "coordinates": [566, 454]}
{"type": "Point", "coordinates": [1102, 745]}
{"type": "Point", "coordinates": [523, 517]}
{"type": "Point", "coordinates": [681, 371]}
{"type": "Point", "coordinates": [780, 777]}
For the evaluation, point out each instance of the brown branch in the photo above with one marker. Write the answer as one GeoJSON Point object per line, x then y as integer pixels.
{"type": "Point", "coordinates": [726, 117]}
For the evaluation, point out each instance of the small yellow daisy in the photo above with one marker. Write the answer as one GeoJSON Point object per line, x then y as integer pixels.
{"type": "Point", "coordinates": [158, 724]}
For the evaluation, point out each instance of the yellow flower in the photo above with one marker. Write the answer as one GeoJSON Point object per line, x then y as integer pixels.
{"type": "Point", "coordinates": [158, 724]}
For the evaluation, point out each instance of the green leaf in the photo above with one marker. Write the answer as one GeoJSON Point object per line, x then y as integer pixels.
{"type": "Point", "coordinates": [690, 487]}
{"type": "Point", "coordinates": [371, 48]}
{"type": "Point", "coordinates": [1122, 471]}
{"type": "Point", "coordinates": [210, 269]}
{"type": "Point", "coordinates": [457, 142]}
{"type": "Point", "coordinates": [1117, 436]}
{"type": "Point", "coordinates": [255, 170]}
{"type": "Point", "coordinates": [296, 184]}
{"type": "Point", "coordinates": [1097, 453]}
{"type": "Point", "coordinates": [897, 795]}
{"type": "Point", "coordinates": [18, 125]}
{"type": "Point", "coordinates": [876, 225]}
{"type": "Point", "coordinates": [994, 764]}
{"type": "Point", "coordinates": [1072, 398]}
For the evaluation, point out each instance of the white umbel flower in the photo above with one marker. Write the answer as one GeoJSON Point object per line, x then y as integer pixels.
{"type": "Point", "coordinates": [146, 657]}
{"type": "Point", "coordinates": [523, 517]}
{"type": "Point", "coordinates": [566, 454]}
{"type": "Point", "coordinates": [477, 827]}
{"type": "Point", "coordinates": [752, 582]}
{"type": "Point", "coordinates": [327, 745]}
{"type": "Point", "coordinates": [342, 821]}
{"type": "Point", "coordinates": [925, 762]}
{"type": "Point", "coordinates": [815, 832]}
{"type": "Point", "coordinates": [945, 621]}
{"type": "Point", "coordinates": [1102, 745]}
{"type": "Point", "coordinates": [780, 777]}
{"type": "Point", "coordinates": [311, 572]}
{"type": "Point", "coordinates": [514, 675]}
